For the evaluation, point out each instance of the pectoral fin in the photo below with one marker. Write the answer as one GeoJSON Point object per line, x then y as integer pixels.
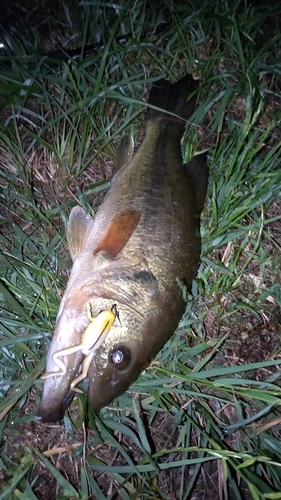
{"type": "Point", "coordinates": [121, 228]}
{"type": "Point", "coordinates": [123, 154]}
{"type": "Point", "coordinates": [79, 228]}
{"type": "Point", "coordinates": [198, 174]}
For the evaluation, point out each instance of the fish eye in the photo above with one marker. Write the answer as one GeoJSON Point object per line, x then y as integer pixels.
{"type": "Point", "coordinates": [120, 357]}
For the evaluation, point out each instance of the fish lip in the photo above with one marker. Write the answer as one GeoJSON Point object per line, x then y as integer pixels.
{"type": "Point", "coordinates": [48, 415]}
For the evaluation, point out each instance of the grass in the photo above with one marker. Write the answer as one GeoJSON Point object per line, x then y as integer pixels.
{"type": "Point", "coordinates": [203, 421]}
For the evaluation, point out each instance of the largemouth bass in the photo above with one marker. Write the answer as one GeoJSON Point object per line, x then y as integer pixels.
{"type": "Point", "coordinates": [143, 241]}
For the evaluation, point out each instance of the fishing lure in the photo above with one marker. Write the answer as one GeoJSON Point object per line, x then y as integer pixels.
{"type": "Point", "coordinates": [91, 339]}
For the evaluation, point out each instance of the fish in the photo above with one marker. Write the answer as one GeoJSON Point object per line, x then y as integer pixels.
{"type": "Point", "coordinates": [130, 258]}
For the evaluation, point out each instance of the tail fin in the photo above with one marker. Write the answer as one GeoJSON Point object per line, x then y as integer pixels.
{"type": "Point", "coordinates": [178, 98]}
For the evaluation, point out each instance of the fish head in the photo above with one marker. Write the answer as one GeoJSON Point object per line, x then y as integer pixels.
{"type": "Point", "coordinates": [143, 323]}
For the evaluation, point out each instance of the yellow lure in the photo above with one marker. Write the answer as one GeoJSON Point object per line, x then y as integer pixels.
{"type": "Point", "coordinates": [91, 340]}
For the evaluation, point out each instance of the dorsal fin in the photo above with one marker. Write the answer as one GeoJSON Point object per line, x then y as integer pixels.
{"type": "Point", "coordinates": [124, 153]}
{"type": "Point", "coordinates": [198, 174]}
{"type": "Point", "coordinates": [121, 227]}
{"type": "Point", "coordinates": [80, 225]}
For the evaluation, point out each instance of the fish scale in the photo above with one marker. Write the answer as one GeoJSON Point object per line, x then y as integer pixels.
{"type": "Point", "coordinates": [143, 241]}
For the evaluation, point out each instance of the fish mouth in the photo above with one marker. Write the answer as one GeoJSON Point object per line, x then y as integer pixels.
{"type": "Point", "coordinates": [56, 397]}
{"type": "Point", "coordinates": [53, 410]}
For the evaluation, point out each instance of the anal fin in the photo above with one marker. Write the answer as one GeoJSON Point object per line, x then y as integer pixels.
{"type": "Point", "coordinates": [198, 174]}
{"type": "Point", "coordinates": [124, 153]}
